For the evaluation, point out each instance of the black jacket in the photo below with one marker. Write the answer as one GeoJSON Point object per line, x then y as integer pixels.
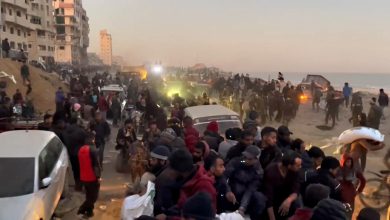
{"type": "Point", "coordinates": [270, 155]}
{"type": "Point", "coordinates": [124, 141]}
{"type": "Point", "coordinates": [383, 99]}
{"type": "Point", "coordinates": [212, 139]}
{"type": "Point", "coordinates": [235, 151]}
{"type": "Point", "coordinates": [102, 130]}
{"type": "Point", "coordinates": [74, 137]}
{"type": "Point", "coordinates": [167, 192]}
{"type": "Point", "coordinates": [284, 145]}
{"type": "Point", "coordinates": [324, 177]}
{"type": "Point", "coordinates": [243, 180]}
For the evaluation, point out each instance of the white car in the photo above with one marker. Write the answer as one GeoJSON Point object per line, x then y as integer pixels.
{"type": "Point", "coordinates": [33, 169]}
{"type": "Point", "coordinates": [202, 115]}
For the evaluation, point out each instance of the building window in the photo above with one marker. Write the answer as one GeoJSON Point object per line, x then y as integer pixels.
{"type": "Point", "coordinates": [4, 28]}
{"type": "Point", "coordinates": [41, 33]}
{"type": "Point", "coordinates": [35, 20]}
{"type": "Point", "coordinates": [41, 7]}
{"type": "Point", "coordinates": [60, 20]}
{"type": "Point", "coordinates": [42, 47]}
{"type": "Point", "coordinates": [29, 34]}
{"type": "Point", "coordinates": [12, 44]}
{"type": "Point", "coordinates": [19, 46]}
{"type": "Point", "coordinates": [62, 48]}
{"type": "Point", "coordinates": [48, 24]}
{"type": "Point", "coordinates": [18, 32]}
{"type": "Point", "coordinates": [26, 1]}
{"type": "Point", "coordinates": [11, 30]}
{"type": "Point", "coordinates": [18, 13]}
{"type": "Point", "coordinates": [24, 34]}
{"type": "Point", "coordinates": [29, 46]}
{"type": "Point", "coordinates": [60, 30]}
{"type": "Point", "coordinates": [10, 11]}
{"type": "Point", "coordinates": [26, 17]}
{"type": "Point", "coordinates": [24, 46]}
{"type": "Point", "coordinates": [2, 10]}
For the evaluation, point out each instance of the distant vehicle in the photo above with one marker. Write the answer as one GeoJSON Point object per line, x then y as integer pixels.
{"type": "Point", "coordinates": [319, 81]}
{"type": "Point", "coordinates": [39, 64]}
{"type": "Point", "coordinates": [202, 115]}
{"type": "Point", "coordinates": [108, 90]}
{"type": "Point", "coordinates": [33, 173]}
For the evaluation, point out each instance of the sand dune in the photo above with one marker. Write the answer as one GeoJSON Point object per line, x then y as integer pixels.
{"type": "Point", "coordinates": [44, 85]}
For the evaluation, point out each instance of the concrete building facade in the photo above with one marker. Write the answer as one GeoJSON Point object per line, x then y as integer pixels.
{"type": "Point", "coordinates": [15, 23]}
{"type": "Point", "coordinates": [72, 29]}
{"type": "Point", "coordinates": [106, 47]}
{"type": "Point", "coordinates": [41, 41]}
{"type": "Point", "coordinates": [28, 25]}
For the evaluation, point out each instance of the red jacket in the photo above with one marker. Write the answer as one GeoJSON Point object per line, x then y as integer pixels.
{"type": "Point", "coordinates": [200, 182]}
{"type": "Point", "coordinates": [103, 104]}
{"type": "Point", "coordinates": [88, 164]}
{"type": "Point", "coordinates": [348, 187]}
{"type": "Point", "coordinates": [191, 141]}
{"type": "Point", "coordinates": [302, 214]}
{"type": "Point", "coordinates": [191, 137]}
{"type": "Point", "coordinates": [191, 131]}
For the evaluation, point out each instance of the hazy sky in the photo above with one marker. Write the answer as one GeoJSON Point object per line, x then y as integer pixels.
{"type": "Point", "coordinates": [248, 35]}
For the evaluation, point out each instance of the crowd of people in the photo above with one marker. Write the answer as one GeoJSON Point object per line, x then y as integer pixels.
{"type": "Point", "coordinates": [262, 174]}
{"type": "Point", "coordinates": [273, 101]}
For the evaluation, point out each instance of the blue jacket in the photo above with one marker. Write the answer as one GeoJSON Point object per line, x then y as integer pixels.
{"type": "Point", "coordinates": [60, 97]}
{"type": "Point", "coordinates": [347, 91]}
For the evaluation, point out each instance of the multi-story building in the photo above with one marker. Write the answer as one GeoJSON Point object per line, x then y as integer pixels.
{"type": "Point", "coordinates": [72, 29]}
{"type": "Point", "coordinates": [41, 41]}
{"type": "Point", "coordinates": [15, 23]}
{"type": "Point", "coordinates": [28, 25]}
{"type": "Point", "coordinates": [106, 47]}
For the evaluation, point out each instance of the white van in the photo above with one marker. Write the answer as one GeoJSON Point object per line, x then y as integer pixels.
{"type": "Point", "coordinates": [202, 115]}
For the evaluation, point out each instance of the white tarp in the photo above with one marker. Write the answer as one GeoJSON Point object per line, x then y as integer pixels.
{"type": "Point", "coordinates": [134, 206]}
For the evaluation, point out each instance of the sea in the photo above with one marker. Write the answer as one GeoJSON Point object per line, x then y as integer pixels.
{"type": "Point", "coordinates": [369, 82]}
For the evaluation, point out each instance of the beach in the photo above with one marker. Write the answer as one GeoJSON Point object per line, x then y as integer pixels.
{"type": "Point", "coordinates": [366, 82]}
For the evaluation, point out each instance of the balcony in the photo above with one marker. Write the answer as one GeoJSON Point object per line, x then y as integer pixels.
{"type": "Point", "coordinates": [66, 5]}
{"type": "Point", "coordinates": [17, 3]}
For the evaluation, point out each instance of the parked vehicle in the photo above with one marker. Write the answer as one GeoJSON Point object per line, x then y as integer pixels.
{"type": "Point", "coordinates": [33, 171]}
{"type": "Point", "coordinates": [202, 115]}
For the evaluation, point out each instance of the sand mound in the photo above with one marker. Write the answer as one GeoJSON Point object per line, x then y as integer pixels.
{"type": "Point", "coordinates": [44, 85]}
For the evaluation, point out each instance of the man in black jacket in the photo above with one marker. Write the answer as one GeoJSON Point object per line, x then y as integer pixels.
{"type": "Point", "coordinates": [102, 132]}
{"type": "Point", "coordinates": [214, 165]}
{"type": "Point", "coordinates": [158, 161]}
{"type": "Point", "coordinates": [245, 176]}
{"type": "Point", "coordinates": [74, 137]}
{"type": "Point", "coordinates": [383, 101]}
{"type": "Point", "coordinates": [284, 138]}
{"type": "Point", "coordinates": [6, 47]}
{"type": "Point", "coordinates": [247, 139]}
{"type": "Point", "coordinates": [270, 151]}
{"type": "Point", "coordinates": [326, 175]}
